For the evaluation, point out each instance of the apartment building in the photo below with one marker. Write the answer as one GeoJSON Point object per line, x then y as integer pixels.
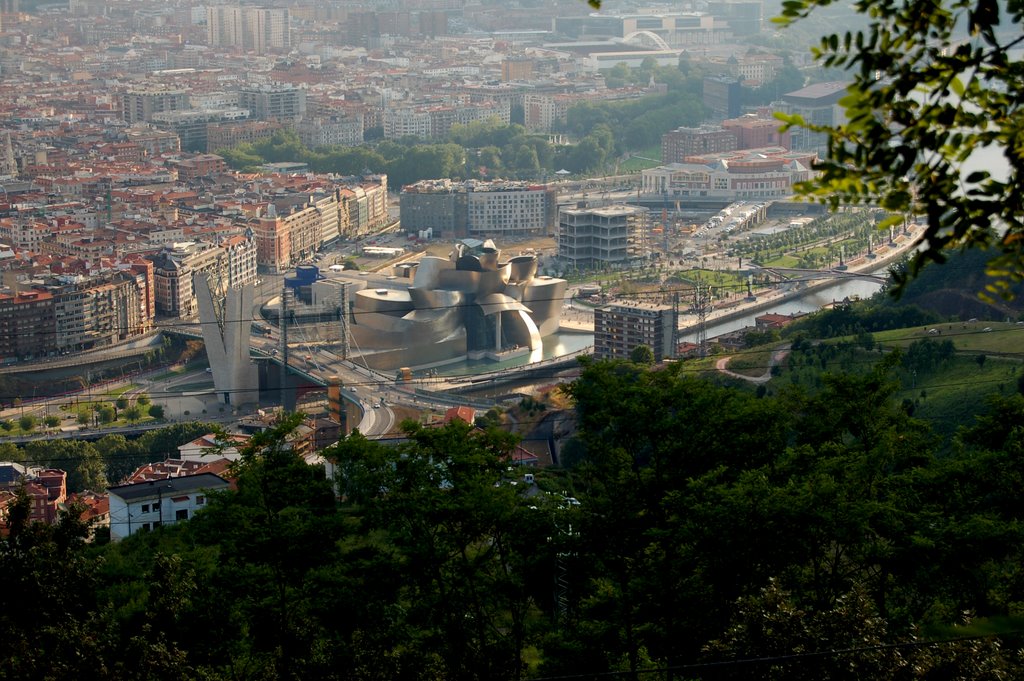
{"type": "Point", "coordinates": [100, 310]}
{"type": "Point", "coordinates": [619, 328]}
{"type": "Point", "coordinates": [279, 102]}
{"type": "Point", "coordinates": [229, 264]}
{"type": "Point", "coordinates": [323, 132]}
{"type": "Point", "coordinates": [293, 232]}
{"type": "Point", "coordinates": [145, 506]}
{"type": "Point", "coordinates": [191, 126]}
{"type": "Point", "coordinates": [435, 122]}
{"type": "Point", "coordinates": [284, 240]}
{"type": "Point", "coordinates": [677, 144]}
{"type": "Point", "coordinates": [27, 325]}
{"type": "Point", "coordinates": [154, 142]}
{"type": "Point", "coordinates": [227, 135]}
{"type": "Point", "coordinates": [252, 29]}
{"type": "Point", "coordinates": [508, 209]}
{"type": "Point", "coordinates": [140, 105]}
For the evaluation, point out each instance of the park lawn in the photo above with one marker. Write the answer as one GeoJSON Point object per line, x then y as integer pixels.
{"type": "Point", "coordinates": [784, 261]}
{"type": "Point", "coordinates": [817, 251]}
{"type": "Point", "coordinates": [713, 278]}
{"type": "Point", "coordinates": [117, 392]}
{"type": "Point", "coordinates": [635, 164]}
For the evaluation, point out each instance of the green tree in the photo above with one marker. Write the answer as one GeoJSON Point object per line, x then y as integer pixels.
{"type": "Point", "coordinates": [52, 421]}
{"type": "Point", "coordinates": [771, 626]}
{"type": "Point", "coordinates": [156, 411]}
{"type": "Point", "coordinates": [48, 610]}
{"type": "Point", "coordinates": [81, 459]}
{"type": "Point", "coordinates": [932, 85]}
{"type": "Point", "coordinates": [121, 402]}
{"type": "Point", "coordinates": [478, 547]}
{"type": "Point", "coordinates": [133, 413]}
{"type": "Point", "coordinates": [106, 414]}
{"type": "Point", "coordinates": [273, 533]}
{"type": "Point", "coordinates": [642, 354]}
{"type": "Point", "coordinates": [526, 160]}
{"type": "Point", "coordinates": [27, 423]}
{"type": "Point", "coordinates": [10, 452]}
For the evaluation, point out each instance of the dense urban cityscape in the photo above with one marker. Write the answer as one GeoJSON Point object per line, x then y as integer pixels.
{"type": "Point", "coordinates": [299, 295]}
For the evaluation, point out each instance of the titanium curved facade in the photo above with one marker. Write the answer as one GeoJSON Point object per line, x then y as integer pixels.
{"type": "Point", "coordinates": [470, 304]}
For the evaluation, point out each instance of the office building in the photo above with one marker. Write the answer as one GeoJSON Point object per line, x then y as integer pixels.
{"type": "Point", "coordinates": [722, 95]}
{"type": "Point", "coordinates": [743, 16]}
{"type": "Point", "coordinates": [609, 236]}
{"type": "Point", "coordinates": [477, 209]}
{"type": "Point", "coordinates": [818, 104]}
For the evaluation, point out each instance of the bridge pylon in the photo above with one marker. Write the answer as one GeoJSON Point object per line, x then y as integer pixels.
{"type": "Point", "coordinates": [226, 336]}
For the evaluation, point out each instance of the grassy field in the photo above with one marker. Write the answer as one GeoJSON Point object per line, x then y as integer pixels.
{"type": "Point", "coordinates": [730, 280]}
{"type": "Point", "coordinates": [951, 396]}
{"type": "Point", "coordinates": [753, 362]}
{"type": "Point", "coordinates": [1004, 338]}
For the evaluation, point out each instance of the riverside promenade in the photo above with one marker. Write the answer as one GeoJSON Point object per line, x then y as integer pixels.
{"type": "Point", "coordinates": [581, 319]}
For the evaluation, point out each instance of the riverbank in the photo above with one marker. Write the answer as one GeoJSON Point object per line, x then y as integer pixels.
{"type": "Point", "coordinates": [765, 299]}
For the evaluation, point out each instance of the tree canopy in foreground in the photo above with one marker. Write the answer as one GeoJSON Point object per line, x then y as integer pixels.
{"type": "Point", "coordinates": [934, 125]}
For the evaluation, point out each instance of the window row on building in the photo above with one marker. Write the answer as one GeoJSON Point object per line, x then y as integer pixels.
{"type": "Point", "coordinates": [477, 209]}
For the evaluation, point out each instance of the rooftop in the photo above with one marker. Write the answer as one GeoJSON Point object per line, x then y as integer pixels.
{"type": "Point", "coordinates": [169, 486]}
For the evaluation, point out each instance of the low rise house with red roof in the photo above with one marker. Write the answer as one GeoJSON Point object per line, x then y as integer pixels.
{"type": "Point", "coordinates": [48, 491]}
{"type": "Point", "coordinates": [208, 447]}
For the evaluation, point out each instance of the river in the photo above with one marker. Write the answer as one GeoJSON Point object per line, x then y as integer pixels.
{"type": "Point", "coordinates": [808, 302]}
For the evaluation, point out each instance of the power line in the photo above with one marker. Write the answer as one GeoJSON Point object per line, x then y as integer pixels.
{"type": "Point", "coordinates": [774, 659]}
{"type": "Point", "coordinates": [483, 378]}
{"type": "Point", "coordinates": [661, 292]}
